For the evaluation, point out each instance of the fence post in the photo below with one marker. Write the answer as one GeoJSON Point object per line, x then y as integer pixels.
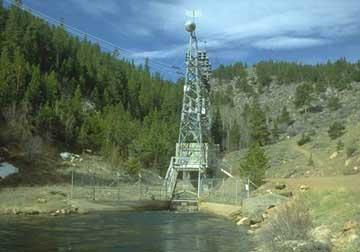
{"type": "Point", "coordinates": [223, 187]}
{"type": "Point", "coordinates": [248, 187]}
{"type": "Point", "coordinates": [94, 197]}
{"type": "Point", "coordinates": [72, 184]}
{"type": "Point", "coordinates": [139, 187]}
{"type": "Point", "coordinates": [160, 193]}
{"type": "Point", "coordinates": [236, 191]}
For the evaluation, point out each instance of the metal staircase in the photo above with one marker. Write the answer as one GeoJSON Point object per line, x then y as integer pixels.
{"type": "Point", "coordinates": [170, 178]}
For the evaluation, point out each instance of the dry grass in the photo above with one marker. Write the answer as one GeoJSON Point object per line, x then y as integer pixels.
{"type": "Point", "coordinates": [335, 183]}
{"type": "Point", "coordinates": [291, 222]}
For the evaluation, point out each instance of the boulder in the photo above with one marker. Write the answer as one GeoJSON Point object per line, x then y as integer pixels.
{"type": "Point", "coordinates": [16, 211]}
{"type": "Point", "coordinates": [347, 162]}
{"type": "Point", "coordinates": [250, 232]}
{"type": "Point", "coordinates": [41, 200]}
{"type": "Point", "coordinates": [350, 225]}
{"type": "Point", "coordinates": [304, 188]}
{"type": "Point", "coordinates": [254, 207]}
{"type": "Point", "coordinates": [65, 156]}
{"type": "Point", "coordinates": [82, 211]}
{"type": "Point", "coordinates": [334, 155]}
{"type": "Point", "coordinates": [352, 238]}
{"type": "Point", "coordinates": [243, 222]}
{"type": "Point", "coordinates": [286, 194]}
{"type": "Point", "coordinates": [322, 234]}
{"type": "Point", "coordinates": [256, 219]}
{"type": "Point", "coordinates": [255, 226]}
{"type": "Point", "coordinates": [32, 212]}
{"type": "Point", "coordinates": [279, 186]}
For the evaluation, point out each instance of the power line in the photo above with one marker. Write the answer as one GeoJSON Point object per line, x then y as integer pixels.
{"type": "Point", "coordinates": [163, 67]}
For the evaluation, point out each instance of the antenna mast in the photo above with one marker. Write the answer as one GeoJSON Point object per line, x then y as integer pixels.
{"type": "Point", "coordinates": [192, 147]}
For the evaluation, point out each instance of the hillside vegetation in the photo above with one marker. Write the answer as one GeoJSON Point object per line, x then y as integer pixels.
{"type": "Point", "coordinates": [305, 116]}
{"type": "Point", "coordinates": [63, 93]}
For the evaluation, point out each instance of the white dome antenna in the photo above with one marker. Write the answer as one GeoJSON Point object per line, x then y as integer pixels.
{"type": "Point", "coordinates": [190, 26]}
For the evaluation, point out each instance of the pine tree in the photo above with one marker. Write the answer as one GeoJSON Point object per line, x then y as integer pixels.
{"type": "Point", "coordinates": [51, 84]}
{"type": "Point", "coordinates": [275, 131]}
{"type": "Point", "coordinates": [2, 22]}
{"type": "Point", "coordinates": [33, 94]}
{"type": "Point", "coordinates": [257, 123]}
{"type": "Point", "coordinates": [217, 132]}
{"type": "Point", "coordinates": [13, 33]}
{"type": "Point", "coordinates": [7, 78]}
{"type": "Point", "coordinates": [53, 75]}
{"type": "Point", "coordinates": [255, 164]}
{"type": "Point", "coordinates": [304, 95]}
{"type": "Point", "coordinates": [21, 73]}
{"type": "Point", "coordinates": [234, 136]}
{"type": "Point", "coordinates": [336, 130]}
{"type": "Point", "coordinates": [284, 116]}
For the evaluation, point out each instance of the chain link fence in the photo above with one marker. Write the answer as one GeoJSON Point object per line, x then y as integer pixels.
{"type": "Point", "coordinates": [113, 187]}
{"type": "Point", "coordinates": [221, 190]}
{"type": "Point", "coordinates": [218, 190]}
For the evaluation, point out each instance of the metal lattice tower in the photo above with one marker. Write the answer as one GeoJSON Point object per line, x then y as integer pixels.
{"type": "Point", "coordinates": [192, 147]}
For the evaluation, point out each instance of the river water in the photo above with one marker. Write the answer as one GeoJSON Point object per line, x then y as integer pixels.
{"type": "Point", "coordinates": [130, 232]}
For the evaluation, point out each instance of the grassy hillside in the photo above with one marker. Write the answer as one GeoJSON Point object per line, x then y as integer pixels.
{"type": "Point", "coordinates": [288, 159]}
{"type": "Point", "coordinates": [319, 154]}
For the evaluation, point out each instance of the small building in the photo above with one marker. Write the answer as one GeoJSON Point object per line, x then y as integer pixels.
{"type": "Point", "coordinates": [7, 169]}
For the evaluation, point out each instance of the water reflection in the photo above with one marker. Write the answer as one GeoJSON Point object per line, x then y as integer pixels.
{"type": "Point", "coordinates": [139, 231]}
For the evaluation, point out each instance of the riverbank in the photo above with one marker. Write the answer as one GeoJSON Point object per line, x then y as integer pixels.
{"type": "Point", "coordinates": [55, 200]}
{"type": "Point", "coordinates": [333, 219]}
{"type": "Point", "coordinates": [222, 210]}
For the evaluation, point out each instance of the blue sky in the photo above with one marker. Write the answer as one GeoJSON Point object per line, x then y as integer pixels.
{"type": "Point", "coordinates": [308, 31]}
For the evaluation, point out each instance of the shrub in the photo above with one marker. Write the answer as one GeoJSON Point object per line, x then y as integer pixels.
{"type": "Point", "coordinates": [333, 103]}
{"type": "Point", "coordinates": [291, 222]}
{"type": "Point", "coordinates": [305, 138]}
{"type": "Point", "coordinates": [339, 146]}
{"type": "Point", "coordinates": [133, 166]}
{"type": "Point", "coordinates": [336, 130]}
{"type": "Point", "coordinates": [311, 161]}
{"type": "Point", "coordinates": [33, 148]}
{"type": "Point", "coordinates": [351, 149]}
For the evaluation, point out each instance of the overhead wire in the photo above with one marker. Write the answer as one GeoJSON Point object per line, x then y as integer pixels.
{"type": "Point", "coordinates": [158, 65]}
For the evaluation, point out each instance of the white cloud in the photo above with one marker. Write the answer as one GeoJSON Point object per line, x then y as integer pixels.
{"type": "Point", "coordinates": [248, 21]}
{"type": "Point", "coordinates": [160, 54]}
{"type": "Point", "coordinates": [286, 43]}
{"type": "Point", "coordinates": [234, 26]}
{"type": "Point", "coordinates": [98, 7]}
